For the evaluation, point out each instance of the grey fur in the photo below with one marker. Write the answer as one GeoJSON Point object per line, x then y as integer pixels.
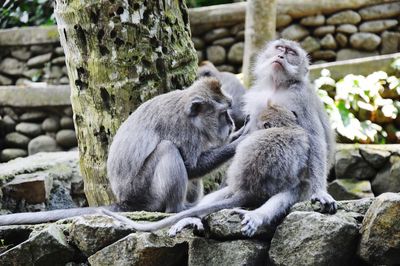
{"type": "Point", "coordinates": [281, 72]}
{"type": "Point", "coordinates": [230, 85]}
{"type": "Point", "coordinates": [270, 162]}
{"type": "Point", "coordinates": [160, 152]}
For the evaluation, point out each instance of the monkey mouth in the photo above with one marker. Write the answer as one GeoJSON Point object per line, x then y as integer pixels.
{"type": "Point", "coordinates": [277, 62]}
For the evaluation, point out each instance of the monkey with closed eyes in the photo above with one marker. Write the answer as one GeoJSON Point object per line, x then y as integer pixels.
{"type": "Point", "coordinates": [163, 147]}
{"type": "Point", "coordinates": [281, 77]}
{"type": "Point", "coordinates": [231, 86]}
{"type": "Point", "coordinates": [268, 171]}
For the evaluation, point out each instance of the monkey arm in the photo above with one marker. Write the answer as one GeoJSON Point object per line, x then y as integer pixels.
{"type": "Point", "coordinates": [318, 174]}
{"type": "Point", "coordinates": [211, 159]}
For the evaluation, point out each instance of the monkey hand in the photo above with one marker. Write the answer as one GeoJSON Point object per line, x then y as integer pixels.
{"type": "Point", "coordinates": [190, 222]}
{"type": "Point", "coordinates": [251, 221]}
{"type": "Point", "coordinates": [328, 204]}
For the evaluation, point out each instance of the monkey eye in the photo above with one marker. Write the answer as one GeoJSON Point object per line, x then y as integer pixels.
{"type": "Point", "coordinates": [267, 125]}
{"type": "Point", "coordinates": [280, 48]}
{"type": "Point", "coordinates": [291, 52]}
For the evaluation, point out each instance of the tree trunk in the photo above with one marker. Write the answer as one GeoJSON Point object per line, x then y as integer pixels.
{"type": "Point", "coordinates": [119, 53]}
{"type": "Point", "coordinates": [260, 28]}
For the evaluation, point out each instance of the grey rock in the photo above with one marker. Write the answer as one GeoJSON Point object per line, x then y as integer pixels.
{"type": "Point", "coordinates": [240, 36]}
{"type": "Point", "coordinates": [309, 234]}
{"type": "Point", "coordinates": [344, 17]}
{"type": "Point", "coordinates": [65, 80]}
{"type": "Point", "coordinates": [295, 32]}
{"type": "Point", "coordinates": [324, 55]}
{"type": "Point", "coordinates": [238, 27]}
{"type": "Point", "coordinates": [41, 48]}
{"type": "Point", "coordinates": [349, 189]}
{"type": "Point", "coordinates": [380, 11]}
{"type": "Point", "coordinates": [5, 81]}
{"type": "Point", "coordinates": [347, 28]}
{"type": "Point", "coordinates": [388, 178]}
{"type": "Point", "coordinates": [378, 25]}
{"type": "Point", "coordinates": [375, 156]}
{"type": "Point", "coordinates": [390, 42]}
{"type": "Point", "coordinates": [380, 241]}
{"type": "Point", "coordinates": [323, 30]}
{"type": "Point", "coordinates": [225, 225]}
{"type": "Point", "coordinates": [55, 72]}
{"type": "Point", "coordinates": [68, 111]}
{"type": "Point", "coordinates": [64, 70]}
{"type": "Point", "coordinates": [39, 60]}
{"type": "Point", "coordinates": [17, 140]}
{"type": "Point", "coordinates": [67, 122]}
{"type": "Point", "coordinates": [51, 124]}
{"type": "Point", "coordinates": [92, 233]}
{"type": "Point", "coordinates": [10, 112]}
{"type": "Point", "coordinates": [42, 144]}
{"type": "Point", "coordinates": [9, 123]}
{"type": "Point", "coordinates": [310, 44]}
{"type": "Point", "coordinates": [240, 252]}
{"type": "Point", "coordinates": [216, 54]}
{"type": "Point", "coordinates": [33, 116]}
{"type": "Point", "coordinates": [226, 68]}
{"type": "Point", "coordinates": [365, 41]}
{"type": "Point", "coordinates": [350, 164]}
{"type": "Point", "coordinates": [313, 21]}
{"type": "Point", "coordinates": [216, 34]}
{"type": "Point", "coordinates": [328, 42]}
{"type": "Point", "coordinates": [66, 138]}
{"type": "Point", "coordinates": [198, 43]}
{"type": "Point", "coordinates": [29, 129]}
{"type": "Point", "coordinates": [34, 188]}
{"type": "Point", "coordinates": [235, 54]}
{"type": "Point", "coordinates": [49, 247]}
{"type": "Point", "coordinates": [23, 82]}
{"type": "Point", "coordinates": [12, 67]}
{"type": "Point", "coordinates": [341, 39]}
{"type": "Point", "coordinates": [355, 206]}
{"type": "Point", "coordinates": [58, 60]}
{"type": "Point", "coordinates": [142, 249]}
{"type": "Point", "coordinates": [228, 41]}
{"type": "Point", "coordinates": [21, 53]}
{"type": "Point", "coordinates": [345, 54]}
{"type": "Point", "coordinates": [9, 154]}
{"type": "Point", "coordinates": [283, 20]}
{"type": "Point", "coordinates": [59, 51]}
{"type": "Point", "coordinates": [33, 74]}
{"type": "Point", "coordinates": [200, 57]}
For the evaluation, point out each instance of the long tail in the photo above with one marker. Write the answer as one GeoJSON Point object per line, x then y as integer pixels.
{"type": "Point", "coordinates": [235, 201]}
{"type": "Point", "coordinates": [46, 216]}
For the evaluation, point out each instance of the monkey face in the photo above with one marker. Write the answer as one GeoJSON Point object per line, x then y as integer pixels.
{"type": "Point", "coordinates": [282, 60]}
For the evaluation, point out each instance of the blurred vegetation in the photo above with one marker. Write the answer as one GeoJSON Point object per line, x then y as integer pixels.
{"type": "Point", "coordinates": [363, 109]}
{"type": "Point", "coordinates": [20, 13]}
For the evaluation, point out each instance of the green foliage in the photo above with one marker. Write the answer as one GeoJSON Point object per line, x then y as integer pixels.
{"type": "Point", "coordinates": [26, 13]}
{"type": "Point", "coordinates": [362, 109]}
{"type": "Point", "coordinates": [198, 3]}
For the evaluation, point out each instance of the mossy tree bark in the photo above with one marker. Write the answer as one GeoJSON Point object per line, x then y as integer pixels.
{"type": "Point", "coordinates": [119, 53]}
{"type": "Point", "coordinates": [260, 28]}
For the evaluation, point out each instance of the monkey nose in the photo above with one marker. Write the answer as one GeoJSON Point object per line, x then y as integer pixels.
{"type": "Point", "coordinates": [280, 56]}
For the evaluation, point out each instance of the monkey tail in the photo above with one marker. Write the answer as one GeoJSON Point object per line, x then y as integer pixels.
{"type": "Point", "coordinates": [197, 211]}
{"type": "Point", "coordinates": [46, 216]}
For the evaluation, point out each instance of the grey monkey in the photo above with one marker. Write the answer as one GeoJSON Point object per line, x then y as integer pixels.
{"type": "Point", "coordinates": [166, 143]}
{"type": "Point", "coordinates": [281, 77]}
{"type": "Point", "coordinates": [230, 85]}
{"type": "Point", "coordinates": [269, 169]}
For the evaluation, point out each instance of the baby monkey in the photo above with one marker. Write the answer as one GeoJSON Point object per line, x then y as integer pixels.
{"type": "Point", "coordinates": [267, 171]}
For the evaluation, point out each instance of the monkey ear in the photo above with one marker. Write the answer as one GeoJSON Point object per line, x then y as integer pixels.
{"type": "Point", "coordinates": [195, 107]}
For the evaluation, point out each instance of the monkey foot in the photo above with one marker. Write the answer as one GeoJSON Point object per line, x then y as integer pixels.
{"type": "Point", "coordinates": [251, 221]}
{"type": "Point", "coordinates": [190, 222]}
{"type": "Point", "coordinates": [328, 204]}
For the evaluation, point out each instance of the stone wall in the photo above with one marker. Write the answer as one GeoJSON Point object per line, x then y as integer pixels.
{"type": "Point", "coordinates": [328, 30]}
